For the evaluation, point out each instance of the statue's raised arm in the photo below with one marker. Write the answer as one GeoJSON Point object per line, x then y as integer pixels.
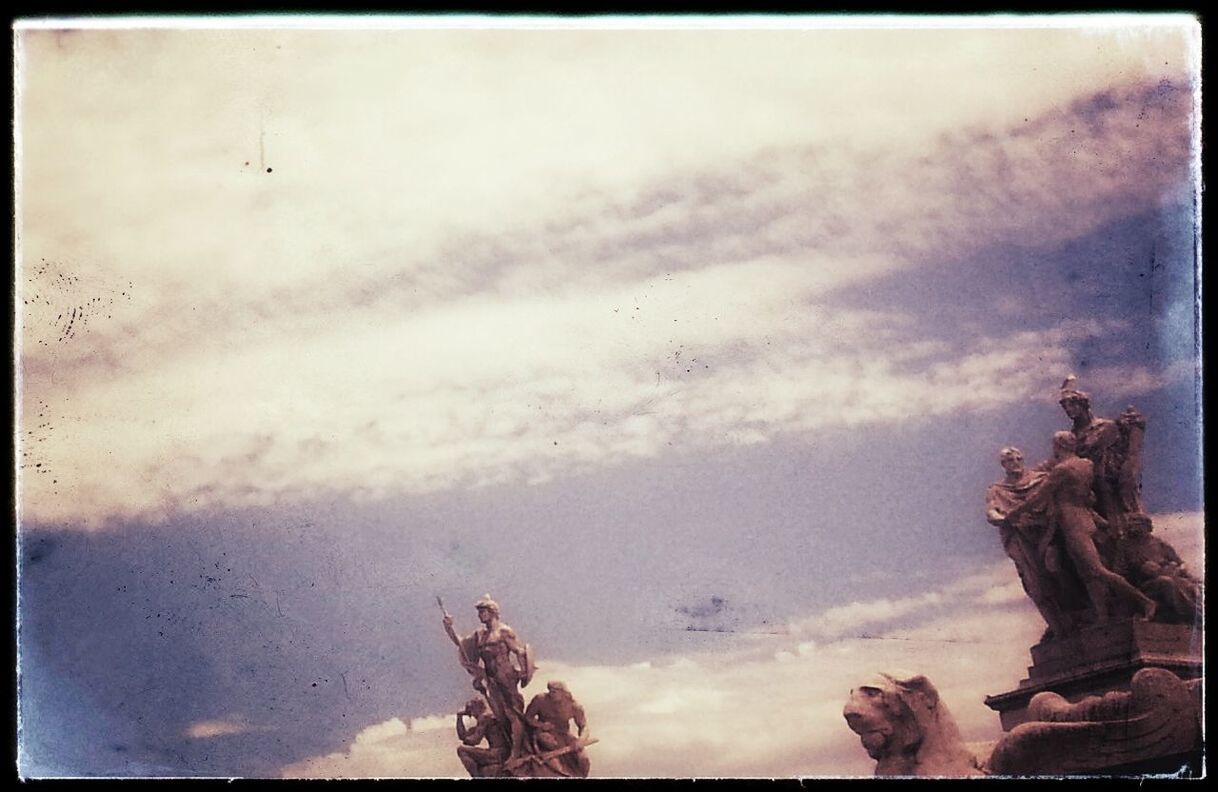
{"type": "Point", "coordinates": [467, 653]}
{"type": "Point", "coordinates": [487, 654]}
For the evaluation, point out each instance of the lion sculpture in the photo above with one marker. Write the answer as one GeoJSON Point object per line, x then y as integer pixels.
{"type": "Point", "coordinates": [907, 729]}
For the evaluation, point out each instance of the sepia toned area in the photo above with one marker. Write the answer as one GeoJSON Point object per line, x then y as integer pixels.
{"type": "Point", "coordinates": [731, 362]}
{"type": "Point", "coordinates": [1116, 680]}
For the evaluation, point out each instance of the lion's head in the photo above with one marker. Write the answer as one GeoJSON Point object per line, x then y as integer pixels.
{"type": "Point", "coordinates": [906, 728]}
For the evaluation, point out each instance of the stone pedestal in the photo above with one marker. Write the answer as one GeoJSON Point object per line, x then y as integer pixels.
{"type": "Point", "coordinates": [1098, 660]}
{"type": "Point", "coordinates": [1154, 727]}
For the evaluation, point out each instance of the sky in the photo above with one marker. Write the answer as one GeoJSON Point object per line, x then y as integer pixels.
{"type": "Point", "coordinates": [694, 345]}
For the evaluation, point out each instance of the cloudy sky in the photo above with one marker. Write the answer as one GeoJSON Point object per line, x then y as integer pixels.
{"type": "Point", "coordinates": [693, 347]}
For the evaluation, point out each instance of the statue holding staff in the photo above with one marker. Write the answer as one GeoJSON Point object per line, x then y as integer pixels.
{"type": "Point", "coordinates": [488, 654]}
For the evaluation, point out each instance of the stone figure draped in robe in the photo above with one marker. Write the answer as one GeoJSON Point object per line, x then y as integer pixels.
{"type": "Point", "coordinates": [1046, 573]}
{"type": "Point", "coordinates": [1066, 494]}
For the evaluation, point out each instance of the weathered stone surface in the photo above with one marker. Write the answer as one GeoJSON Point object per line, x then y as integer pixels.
{"type": "Point", "coordinates": [1100, 659]}
{"type": "Point", "coordinates": [1153, 726]}
{"type": "Point", "coordinates": [535, 742]}
{"type": "Point", "coordinates": [1075, 528]}
{"type": "Point", "coordinates": [1114, 447]}
{"type": "Point", "coordinates": [907, 729]}
{"type": "Point", "coordinates": [1159, 716]}
{"type": "Point", "coordinates": [549, 717]}
{"type": "Point", "coordinates": [1053, 587]}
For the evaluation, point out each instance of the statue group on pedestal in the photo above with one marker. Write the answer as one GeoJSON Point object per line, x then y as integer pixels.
{"type": "Point", "coordinates": [519, 741]}
{"type": "Point", "coordinates": [1082, 543]}
{"type": "Point", "coordinates": [1075, 527]}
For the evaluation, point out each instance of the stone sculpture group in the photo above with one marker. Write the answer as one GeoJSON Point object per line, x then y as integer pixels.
{"type": "Point", "coordinates": [1115, 681]}
{"type": "Point", "coordinates": [533, 741]}
{"type": "Point", "coordinates": [1075, 528]}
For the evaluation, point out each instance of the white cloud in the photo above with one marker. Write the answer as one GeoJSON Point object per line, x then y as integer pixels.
{"type": "Point", "coordinates": [1012, 591]}
{"type": "Point", "coordinates": [429, 723]}
{"type": "Point", "coordinates": [862, 616]}
{"type": "Point", "coordinates": [1119, 382]}
{"type": "Point", "coordinates": [386, 750]}
{"type": "Point", "coordinates": [1184, 531]}
{"type": "Point", "coordinates": [485, 392]}
{"type": "Point", "coordinates": [837, 620]}
{"type": "Point", "coordinates": [394, 727]}
{"type": "Point", "coordinates": [206, 729]}
{"type": "Point", "coordinates": [428, 131]}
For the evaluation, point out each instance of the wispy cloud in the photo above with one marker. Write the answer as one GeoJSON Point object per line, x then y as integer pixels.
{"type": "Point", "coordinates": [418, 343]}
{"type": "Point", "coordinates": [260, 424]}
{"type": "Point", "coordinates": [607, 378]}
{"type": "Point", "coordinates": [838, 214]}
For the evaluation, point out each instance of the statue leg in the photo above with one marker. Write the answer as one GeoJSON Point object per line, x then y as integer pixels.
{"type": "Point", "coordinates": [1125, 588]}
{"type": "Point", "coordinates": [547, 741]}
{"type": "Point", "coordinates": [1034, 579]}
{"type": "Point", "coordinates": [582, 764]}
{"type": "Point", "coordinates": [518, 747]}
{"type": "Point", "coordinates": [477, 761]}
{"type": "Point", "coordinates": [1098, 579]}
{"type": "Point", "coordinates": [512, 707]}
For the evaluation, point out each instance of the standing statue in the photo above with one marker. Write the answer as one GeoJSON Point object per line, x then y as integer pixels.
{"type": "Point", "coordinates": [1048, 579]}
{"type": "Point", "coordinates": [1115, 450]}
{"type": "Point", "coordinates": [1066, 494]}
{"type": "Point", "coordinates": [487, 655]}
{"type": "Point", "coordinates": [531, 743]}
{"type": "Point", "coordinates": [478, 761]}
{"type": "Point", "coordinates": [550, 715]}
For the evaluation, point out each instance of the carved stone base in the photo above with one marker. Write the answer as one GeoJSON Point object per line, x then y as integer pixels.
{"type": "Point", "coordinates": [1099, 660]}
{"type": "Point", "coordinates": [1153, 726]}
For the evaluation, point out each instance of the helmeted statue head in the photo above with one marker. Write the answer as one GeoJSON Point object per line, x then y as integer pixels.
{"type": "Point", "coordinates": [1070, 394]}
{"type": "Point", "coordinates": [486, 603]}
